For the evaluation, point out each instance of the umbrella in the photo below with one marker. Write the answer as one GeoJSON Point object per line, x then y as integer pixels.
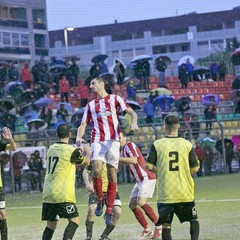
{"type": "Point", "coordinates": [133, 104]}
{"type": "Point", "coordinates": [183, 100]}
{"type": "Point", "coordinates": [39, 124]}
{"type": "Point", "coordinates": [161, 91]}
{"type": "Point", "coordinates": [27, 94]}
{"type": "Point", "coordinates": [140, 58]}
{"type": "Point", "coordinates": [11, 86]}
{"type": "Point", "coordinates": [67, 106]}
{"type": "Point", "coordinates": [167, 60]}
{"type": "Point", "coordinates": [218, 144]}
{"type": "Point", "coordinates": [164, 101]}
{"type": "Point", "coordinates": [4, 64]}
{"type": "Point", "coordinates": [210, 99]}
{"type": "Point", "coordinates": [111, 69]}
{"type": "Point", "coordinates": [236, 82]}
{"type": "Point", "coordinates": [183, 60]}
{"type": "Point", "coordinates": [43, 101]}
{"type": "Point", "coordinates": [7, 104]}
{"type": "Point", "coordinates": [99, 58]}
{"type": "Point", "coordinates": [236, 140]}
{"type": "Point", "coordinates": [21, 156]}
{"type": "Point", "coordinates": [70, 58]}
{"type": "Point", "coordinates": [199, 71]}
{"type": "Point", "coordinates": [235, 57]}
{"type": "Point", "coordinates": [57, 66]}
{"type": "Point", "coordinates": [207, 141]}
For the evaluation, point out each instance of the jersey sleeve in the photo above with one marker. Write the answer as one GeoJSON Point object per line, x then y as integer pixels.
{"type": "Point", "coordinates": [193, 159]}
{"type": "Point", "coordinates": [86, 115]}
{"type": "Point", "coordinates": [122, 104]}
{"type": "Point", "coordinates": [76, 157]}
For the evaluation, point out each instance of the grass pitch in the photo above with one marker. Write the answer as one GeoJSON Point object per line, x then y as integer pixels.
{"type": "Point", "coordinates": [217, 199]}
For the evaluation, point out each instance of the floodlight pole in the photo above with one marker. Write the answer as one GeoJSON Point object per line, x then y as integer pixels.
{"type": "Point", "coordinates": [66, 37]}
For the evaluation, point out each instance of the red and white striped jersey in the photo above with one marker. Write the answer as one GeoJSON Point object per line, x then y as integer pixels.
{"type": "Point", "coordinates": [103, 116]}
{"type": "Point", "coordinates": [138, 170]}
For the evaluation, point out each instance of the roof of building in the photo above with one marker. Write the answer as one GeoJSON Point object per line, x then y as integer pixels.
{"type": "Point", "coordinates": [159, 27]}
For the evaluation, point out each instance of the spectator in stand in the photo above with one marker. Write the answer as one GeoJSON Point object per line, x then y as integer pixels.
{"type": "Point", "coordinates": [39, 91]}
{"type": "Point", "coordinates": [64, 88]}
{"type": "Point", "coordinates": [229, 156]}
{"type": "Point", "coordinates": [95, 70]}
{"type": "Point", "coordinates": [210, 114]}
{"type": "Point", "coordinates": [43, 70]}
{"type": "Point", "coordinates": [35, 70]}
{"type": "Point", "coordinates": [119, 70]}
{"type": "Point", "coordinates": [190, 69]}
{"type": "Point", "coordinates": [222, 70]}
{"type": "Point", "coordinates": [209, 156]}
{"type": "Point", "coordinates": [161, 67]}
{"type": "Point", "coordinates": [195, 126]}
{"type": "Point", "coordinates": [59, 121]}
{"type": "Point", "coordinates": [29, 114]}
{"type": "Point", "coordinates": [103, 67]}
{"type": "Point", "coordinates": [201, 157]}
{"type": "Point", "coordinates": [146, 73]}
{"type": "Point", "coordinates": [149, 110]}
{"type": "Point", "coordinates": [13, 74]}
{"type": "Point", "coordinates": [183, 75]}
{"type": "Point", "coordinates": [131, 90]}
{"type": "Point", "coordinates": [26, 75]}
{"type": "Point", "coordinates": [75, 72]}
{"type": "Point", "coordinates": [63, 112]}
{"type": "Point", "coordinates": [46, 115]}
{"type": "Point", "coordinates": [84, 93]}
{"type": "Point", "coordinates": [214, 70]}
{"type": "Point", "coordinates": [17, 171]}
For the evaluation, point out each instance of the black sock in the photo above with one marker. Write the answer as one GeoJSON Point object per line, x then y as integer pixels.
{"type": "Point", "coordinates": [108, 229]}
{"type": "Point", "coordinates": [70, 230]}
{"type": "Point", "coordinates": [194, 230]}
{"type": "Point", "coordinates": [166, 234]}
{"type": "Point", "coordinates": [47, 234]}
{"type": "Point", "coordinates": [89, 228]}
{"type": "Point", "coordinates": [3, 229]}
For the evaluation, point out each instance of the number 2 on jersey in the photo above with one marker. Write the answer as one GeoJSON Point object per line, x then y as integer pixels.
{"type": "Point", "coordinates": [52, 163]}
{"type": "Point", "coordinates": [173, 163]}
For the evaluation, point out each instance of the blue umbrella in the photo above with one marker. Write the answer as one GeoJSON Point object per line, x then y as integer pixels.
{"type": "Point", "coordinates": [210, 99]}
{"type": "Point", "coordinates": [11, 86]}
{"type": "Point", "coordinates": [43, 101]}
{"type": "Point", "coordinates": [67, 106]}
{"type": "Point", "coordinates": [164, 101]}
{"type": "Point", "coordinates": [140, 58]}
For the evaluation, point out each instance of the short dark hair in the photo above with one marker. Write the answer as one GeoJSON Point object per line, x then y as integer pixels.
{"type": "Point", "coordinates": [63, 131]}
{"type": "Point", "coordinates": [171, 120]}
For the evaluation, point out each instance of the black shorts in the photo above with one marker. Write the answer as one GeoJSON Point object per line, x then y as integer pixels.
{"type": "Point", "coordinates": [55, 211]}
{"type": "Point", "coordinates": [2, 198]}
{"type": "Point", "coordinates": [93, 199]}
{"type": "Point", "coordinates": [185, 212]}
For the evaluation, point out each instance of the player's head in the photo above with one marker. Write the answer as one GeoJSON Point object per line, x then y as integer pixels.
{"type": "Point", "coordinates": [123, 139]}
{"type": "Point", "coordinates": [171, 123]}
{"type": "Point", "coordinates": [97, 84]}
{"type": "Point", "coordinates": [63, 131]}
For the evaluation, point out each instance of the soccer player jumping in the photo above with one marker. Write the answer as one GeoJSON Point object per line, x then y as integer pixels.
{"type": "Point", "coordinates": [103, 114]}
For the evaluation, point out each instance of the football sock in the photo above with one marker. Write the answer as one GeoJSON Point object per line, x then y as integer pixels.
{"type": "Point", "coordinates": [166, 234]}
{"type": "Point", "coordinates": [89, 228]}
{"type": "Point", "coordinates": [140, 217]}
{"type": "Point", "coordinates": [3, 229]}
{"type": "Point", "coordinates": [47, 234]}
{"type": "Point", "coordinates": [108, 229]}
{"type": "Point", "coordinates": [150, 213]}
{"type": "Point", "coordinates": [97, 184]}
{"type": "Point", "coordinates": [70, 230]}
{"type": "Point", "coordinates": [194, 230]}
{"type": "Point", "coordinates": [111, 195]}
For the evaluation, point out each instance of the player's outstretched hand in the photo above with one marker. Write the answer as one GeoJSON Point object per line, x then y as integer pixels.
{"type": "Point", "coordinates": [134, 126]}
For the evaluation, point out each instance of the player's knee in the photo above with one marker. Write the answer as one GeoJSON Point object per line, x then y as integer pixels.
{"type": "Point", "coordinates": [76, 220]}
{"type": "Point", "coordinates": [141, 202]}
{"type": "Point", "coordinates": [2, 214]}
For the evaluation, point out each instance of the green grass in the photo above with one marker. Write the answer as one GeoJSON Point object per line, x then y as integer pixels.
{"type": "Point", "coordinates": [217, 197]}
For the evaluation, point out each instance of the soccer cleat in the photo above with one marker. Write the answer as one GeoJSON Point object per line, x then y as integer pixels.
{"type": "Point", "coordinates": [108, 218]}
{"type": "Point", "coordinates": [146, 233]}
{"type": "Point", "coordinates": [157, 232]}
{"type": "Point", "coordinates": [99, 208]}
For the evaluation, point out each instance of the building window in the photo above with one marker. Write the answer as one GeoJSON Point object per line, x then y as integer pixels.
{"type": "Point", "coordinates": [40, 40]}
{"type": "Point", "coordinates": [4, 12]}
{"type": "Point", "coordinates": [15, 40]}
{"type": "Point", "coordinates": [140, 51]}
{"type": "Point", "coordinates": [38, 16]}
{"type": "Point", "coordinates": [185, 48]}
{"type": "Point", "coordinates": [127, 53]}
{"type": "Point", "coordinates": [6, 39]}
{"type": "Point", "coordinates": [18, 13]}
{"type": "Point", "coordinates": [24, 40]}
{"type": "Point", "coordinates": [159, 49]}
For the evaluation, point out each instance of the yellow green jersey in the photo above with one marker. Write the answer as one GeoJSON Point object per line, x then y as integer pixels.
{"type": "Point", "coordinates": [104, 176]}
{"type": "Point", "coordinates": [173, 157]}
{"type": "Point", "coordinates": [59, 183]}
{"type": "Point", "coordinates": [2, 148]}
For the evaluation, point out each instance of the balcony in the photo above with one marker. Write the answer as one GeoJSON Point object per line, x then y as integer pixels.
{"type": "Point", "coordinates": [13, 23]}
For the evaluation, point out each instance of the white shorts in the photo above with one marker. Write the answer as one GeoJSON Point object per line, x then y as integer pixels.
{"type": "Point", "coordinates": [145, 188]}
{"type": "Point", "coordinates": [107, 151]}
